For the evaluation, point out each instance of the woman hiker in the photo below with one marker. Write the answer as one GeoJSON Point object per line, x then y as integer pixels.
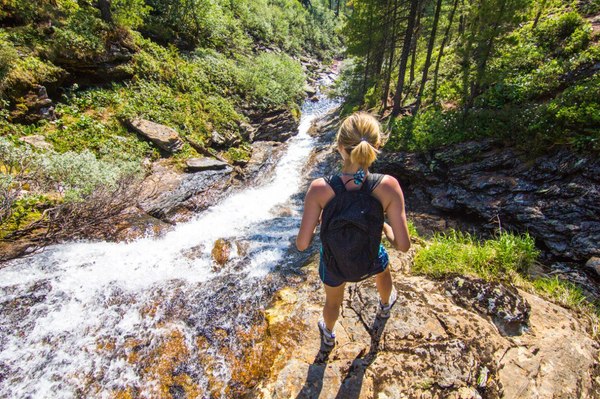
{"type": "Point", "coordinates": [351, 209]}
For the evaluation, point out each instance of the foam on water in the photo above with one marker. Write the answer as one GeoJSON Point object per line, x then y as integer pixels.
{"type": "Point", "coordinates": [56, 304]}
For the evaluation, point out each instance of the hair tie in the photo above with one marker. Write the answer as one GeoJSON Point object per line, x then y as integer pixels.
{"type": "Point", "coordinates": [363, 139]}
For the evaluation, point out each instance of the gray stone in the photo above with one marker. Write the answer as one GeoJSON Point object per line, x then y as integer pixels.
{"type": "Point", "coordinates": [551, 196]}
{"type": "Point", "coordinates": [310, 90]}
{"type": "Point", "coordinates": [594, 264]}
{"type": "Point", "coordinates": [37, 141]}
{"type": "Point", "coordinates": [278, 125]}
{"type": "Point", "coordinates": [200, 164]}
{"type": "Point", "coordinates": [217, 138]}
{"type": "Point", "coordinates": [164, 137]}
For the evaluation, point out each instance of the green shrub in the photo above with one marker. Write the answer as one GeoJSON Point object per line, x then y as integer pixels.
{"type": "Point", "coordinates": [27, 72]}
{"type": "Point", "coordinates": [8, 56]}
{"type": "Point", "coordinates": [462, 253]}
{"type": "Point", "coordinates": [563, 33]}
{"type": "Point", "coordinates": [130, 13]}
{"type": "Point", "coordinates": [81, 36]}
{"type": "Point", "coordinates": [561, 291]}
{"type": "Point", "coordinates": [272, 80]}
{"type": "Point", "coordinates": [23, 212]}
{"type": "Point", "coordinates": [27, 11]}
{"type": "Point", "coordinates": [578, 107]}
{"type": "Point", "coordinates": [77, 175]}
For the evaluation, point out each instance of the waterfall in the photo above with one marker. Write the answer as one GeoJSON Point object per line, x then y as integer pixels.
{"type": "Point", "coordinates": [92, 319]}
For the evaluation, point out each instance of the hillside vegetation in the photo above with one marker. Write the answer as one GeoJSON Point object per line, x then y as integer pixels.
{"type": "Point", "coordinates": [72, 71]}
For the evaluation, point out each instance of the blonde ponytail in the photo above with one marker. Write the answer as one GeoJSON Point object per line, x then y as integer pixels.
{"type": "Point", "coordinates": [363, 154]}
{"type": "Point", "coordinates": [359, 134]}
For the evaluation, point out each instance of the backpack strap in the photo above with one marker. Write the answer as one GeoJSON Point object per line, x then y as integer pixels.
{"type": "Point", "coordinates": [372, 181]}
{"type": "Point", "coordinates": [336, 184]}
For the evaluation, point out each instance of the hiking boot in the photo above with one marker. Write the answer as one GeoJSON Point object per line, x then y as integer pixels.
{"type": "Point", "coordinates": [327, 337]}
{"type": "Point", "coordinates": [383, 311]}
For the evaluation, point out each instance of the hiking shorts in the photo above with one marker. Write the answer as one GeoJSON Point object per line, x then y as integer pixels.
{"type": "Point", "coordinates": [382, 258]}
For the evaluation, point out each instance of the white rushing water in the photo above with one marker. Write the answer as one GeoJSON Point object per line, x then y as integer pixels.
{"type": "Point", "coordinates": [59, 306]}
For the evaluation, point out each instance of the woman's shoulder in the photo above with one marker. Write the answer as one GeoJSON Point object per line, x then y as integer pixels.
{"type": "Point", "coordinates": [319, 183]}
{"type": "Point", "coordinates": [320, 186]}
{"type": "Point", "coordinates": [387, 188]}
{"type": "Point", "coordinates": [388, 182]}
{"type": "Point", "coordinates": [320, 191]}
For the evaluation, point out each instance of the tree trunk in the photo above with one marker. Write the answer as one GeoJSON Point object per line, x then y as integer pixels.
{"type": "Point", "coordinates": [105, 12]}
{"type": "Point", "coordinates": [413, 46]}
{"type": "Point", "coordinates": [466, 59]}
{"type": "Point", "coordinates": [539, 13]}
{"type": "Point", "coordinates": [436, 18]}
{"type": "Point", "coordinates": [481, 65]}
{"type": "Point", "coordinates": [404, 57]}
{"type": "Point", "coordinates": [392, 50]}
{"type": "Point", "coordinates": [369, 46]}
{"type": "Point", "coordinates": [440, 54]}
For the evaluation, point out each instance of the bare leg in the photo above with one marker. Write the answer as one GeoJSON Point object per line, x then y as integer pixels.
{"type": "Point", "coordinates": [333, 301]}
{"type": "Point", "coordinates": [383, 281]}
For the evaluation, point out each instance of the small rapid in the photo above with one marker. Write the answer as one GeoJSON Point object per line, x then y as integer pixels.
{"type": "Point", "coordinates": [155, 317]}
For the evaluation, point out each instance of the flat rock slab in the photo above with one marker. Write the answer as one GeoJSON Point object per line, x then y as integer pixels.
{"type": "Point", "coordinates": [430, 347]}
{"type": "Point", "coordinates": [164, 137]}
{"type": "Point", "coordinates": [204, 163]}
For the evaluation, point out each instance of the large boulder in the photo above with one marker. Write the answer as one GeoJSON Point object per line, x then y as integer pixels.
{"type": "Point", "coordinates": [555, 197]}
{"type": "Point", "coordinates": [109, 65]}
{"type": "Point", "coordinates": [164, 137]}
{"type": "Point", "coordinates": [172, 196]}
{"type": "Point", "coordinates": [278, 125]}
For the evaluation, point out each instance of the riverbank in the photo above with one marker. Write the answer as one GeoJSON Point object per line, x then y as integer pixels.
{"type": "Point", "coordinates": [440, 341]}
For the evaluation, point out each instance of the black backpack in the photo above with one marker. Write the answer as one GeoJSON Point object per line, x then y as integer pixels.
{"type": "Point", "coordinates": [351, 227]}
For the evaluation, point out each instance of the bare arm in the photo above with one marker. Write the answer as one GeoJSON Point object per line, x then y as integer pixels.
{"type": "Point", "coordinates": [393, 200]}
{"type": "Point", "coordinates": [313, 205]}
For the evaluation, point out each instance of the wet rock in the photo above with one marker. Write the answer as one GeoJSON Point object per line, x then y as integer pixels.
{"type": "Point", "coordinates": [164, 137]}
{"type": "Point", "coordinates": [172, 196]}
{"type": "Point", "coordinates": [242, 248]}
{"type": "Point", "coordinates": [314, 99]}
{"type": "Point", "coordinates": [193, 252]}
{"type": "Point", "coordinates": [33, 107]}
{"type": "Point", "coordinates": [593, 264]}
{"type": "Point", "coordinates": [265, 155]}
{"type": "Point", "coordinates": [37, 141]}
{"type": "Point", "coordinates": [201, 164]}
{"type": "Point", "coordinates": [282, 211]}
{"type": "Point", "coordinates": [506, 308]}
{"type": "Point", "coordinates": [136, 224]}
{"type": "Point", "coordinates": [221, 253]}
{"type": "Point", "coordinates": [278, 125]}
{"type": "Point", "coordinates": [310, 90]}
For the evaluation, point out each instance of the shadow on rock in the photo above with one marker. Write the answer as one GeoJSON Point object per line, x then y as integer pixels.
{"type": "Point", "coordinates": [314, 378]}
{"type": "Point", "coordinates": [352, 384]}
